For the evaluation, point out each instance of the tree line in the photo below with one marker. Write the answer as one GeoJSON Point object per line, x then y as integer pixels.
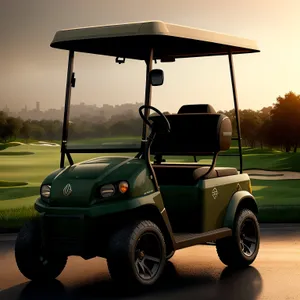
{"type": "Point", "coordinates": [12, 128]}
{"type": "Point", "coordinates": [277, 126]}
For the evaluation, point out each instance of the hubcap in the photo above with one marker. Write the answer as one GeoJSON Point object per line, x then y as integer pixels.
{"type": "Point", "coordinates": [43, 260]}
{"type": "Point", "coordinates": [248, 237]}
{"type": "Point", "coordinates": [43, 257]}
{"type": "Point", "coordinates": [148, 256]}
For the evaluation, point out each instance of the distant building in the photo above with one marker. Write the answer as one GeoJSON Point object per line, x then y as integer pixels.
{"type": "Point", "coordinates": [81, 110]}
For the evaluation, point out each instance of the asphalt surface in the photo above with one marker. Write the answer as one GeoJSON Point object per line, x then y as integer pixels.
{"type": "Point", "coordinates": [194, 273]}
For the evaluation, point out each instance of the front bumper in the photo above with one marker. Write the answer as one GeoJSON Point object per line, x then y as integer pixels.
{"type": "Point", "coordinates": [97, 210]}
{"type": "Point", "coordinates": [84, 231]}
{"type": "Point", "coordinates": [76, 234]}
{"type": "Point", "coordinates": [64, 234]}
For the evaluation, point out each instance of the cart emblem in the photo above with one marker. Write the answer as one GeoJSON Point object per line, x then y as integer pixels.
{"type": "Point", "coordinates": [67, 190]}
{"type": "Point", "coordinates": [214, 193]}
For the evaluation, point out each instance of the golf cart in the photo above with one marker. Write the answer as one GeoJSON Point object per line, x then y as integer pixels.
{"type": "Point", "coordinates": [137, 211]}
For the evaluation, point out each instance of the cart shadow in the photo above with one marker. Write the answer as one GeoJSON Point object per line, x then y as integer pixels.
{"type": "Point", "coordinates": [243, 284]}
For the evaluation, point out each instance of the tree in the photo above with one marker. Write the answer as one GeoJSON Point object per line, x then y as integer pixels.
{"type": "Point", "coordinates": [285, 121]}
{"type": "Point", "coordinates": [3, 125]}
{"type": "Point", "coordinates": [52, 129]}
{"type": "Point", "coordinates": [263, 135]}
{"type": "Point", "coordinates": [131, 127]}
{"type": "Point", "coordinates": [25, 130]}
{"type": "Point", "coordinates": [250, 126]}
{"type": "Point", "coordinates": [37, 132]}
{"type": "Point", "coordinates": [9, 127]}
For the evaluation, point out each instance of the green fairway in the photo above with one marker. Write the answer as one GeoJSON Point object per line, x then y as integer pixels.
{"type": "Point", "coordinates": [278, 200]}
{"type": "Point", "coordinates": [95, 141]}
{"type": "Point", "coordinates": [21, 174]}
{"type": "Point", "coordinates": [262, 159]}
{"type": "Point", "coordinates": [7, 145]}
{"type": "Point", "coordinates": [13, 153]}
{"type": "Point", "coordinates": [276, 192]}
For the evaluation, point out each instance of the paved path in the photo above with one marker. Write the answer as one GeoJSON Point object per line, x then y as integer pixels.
{"type": "Point", "coordinates": [194, 273]}
{"type": "Point", "coordinates": [272, 175]}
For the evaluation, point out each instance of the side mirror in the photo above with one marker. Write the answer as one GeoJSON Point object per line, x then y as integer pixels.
{"type": "Point", "coordinates": [157, 77]}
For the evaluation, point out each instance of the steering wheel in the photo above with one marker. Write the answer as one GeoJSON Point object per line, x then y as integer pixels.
{"type": "Point", "coordinates": [157, 111]}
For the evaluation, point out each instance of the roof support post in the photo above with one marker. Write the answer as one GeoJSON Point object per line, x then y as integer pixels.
{"type": "Point", "coordinates": [67, 108]}
{"type": "Point", "coordinates": [146, 144]}
{"type": "Point", "coordinates": [236, 108]}
{"type": "Point", "coordinates": [148, 91]}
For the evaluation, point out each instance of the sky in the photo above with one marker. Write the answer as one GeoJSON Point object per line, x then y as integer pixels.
{"type": "Point", "coordinates": [31, 71]}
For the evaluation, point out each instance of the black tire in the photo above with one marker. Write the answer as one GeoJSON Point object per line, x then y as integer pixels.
{"type": "Point", "coordinates": [31, 260]}
{"type": "Point", "coordinates": [128, 251]}
{"type": "Point", "coordinates": [240, 249]}
{"type": "Point", "coordinates": [170, 255]}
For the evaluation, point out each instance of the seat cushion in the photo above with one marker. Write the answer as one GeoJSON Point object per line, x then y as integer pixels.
{"type": "Point", "coordinates": [226, 171]}
{"type": "Point", "coordinates": [201, 173]}
{"type": "Point", "coordinates": [188, 174]}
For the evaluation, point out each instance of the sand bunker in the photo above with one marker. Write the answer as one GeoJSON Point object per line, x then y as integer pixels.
{"type": "Point", "coordinates": [272, 175]}
{"type": "Point", "coordinates": [16, 143]}
{"type": "Point", "coordinates": [41, 143]}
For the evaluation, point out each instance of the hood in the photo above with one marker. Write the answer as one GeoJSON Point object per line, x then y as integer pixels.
{"type": "Point", "coordinates": [84, 177]}
{"type": "Point", "coordinates": [92, 169]}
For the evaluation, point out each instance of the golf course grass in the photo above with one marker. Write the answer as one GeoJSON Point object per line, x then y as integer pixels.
{"type": "Point", "coordinates": [278, 200]}
{"type": "Point", "coordinates": [24, 166]}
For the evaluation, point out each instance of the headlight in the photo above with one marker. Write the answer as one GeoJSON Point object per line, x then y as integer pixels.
{"type": "Point", "coordinates": [123, 187]}
{"type": "Point", "coordinates": [45, 190]}
{"type": "Point", "coordinates": [107, 190]}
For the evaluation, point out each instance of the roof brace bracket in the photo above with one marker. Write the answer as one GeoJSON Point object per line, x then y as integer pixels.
{"type": "Point", "coordinates": [73, 80]}
{"type": "Point", "coordinates": [120, 60]}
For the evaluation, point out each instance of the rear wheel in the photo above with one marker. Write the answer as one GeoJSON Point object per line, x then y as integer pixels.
{"type": "Point", "coordinates": [32, 260]}
{"type": "Point", "coordinates": [137, 255]}
{"type": "Point", "coordinates": [241, 249]}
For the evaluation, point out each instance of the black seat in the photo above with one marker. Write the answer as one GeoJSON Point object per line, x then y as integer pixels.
{"type": "Point", "coordinates": [202, 133]}
{"type": "Point", "coordinates": [192, 134]}
{"type": "Point", "coordinates": [196, 109]}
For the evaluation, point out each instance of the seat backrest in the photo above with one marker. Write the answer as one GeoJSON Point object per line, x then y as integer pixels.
{"type": "Point", "coordinates": [196, 109]}
{"type": "Point", "coordinates": [192, 134]}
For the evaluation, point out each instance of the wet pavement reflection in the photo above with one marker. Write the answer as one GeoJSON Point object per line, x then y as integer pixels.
{"type": "Point", "coordinates": [193, 273]}
{"type": "Point", "coordinates": [239, 284]}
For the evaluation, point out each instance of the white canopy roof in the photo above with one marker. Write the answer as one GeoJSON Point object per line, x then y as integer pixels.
{"type": "Point", "coordinates": [133, 40]}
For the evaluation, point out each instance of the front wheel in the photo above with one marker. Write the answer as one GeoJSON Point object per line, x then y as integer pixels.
{"type": "Point", "coordinates": [33, 262]}
{"type": "Point", "coordinates": [137, 255]}
{"type": "Point", "coordinates": [240, 249]}
{"type": "Point", "coordinates": [170, 255]}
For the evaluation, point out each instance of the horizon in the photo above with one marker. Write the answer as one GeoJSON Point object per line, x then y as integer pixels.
{"type": "Point", "coordinates": [33, 72]}
{"type": "Point", "coordinates": [40, 109]}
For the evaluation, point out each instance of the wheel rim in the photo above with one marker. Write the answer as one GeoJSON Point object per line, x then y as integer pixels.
{"type": "Point", "coordinates": [148, 256]}
{"type": "Point", "coordinates": [43, 260]}
{"type": "Point", "coordinates": [43, 257]}
{"type": "Point", "coordinates": [248, 237]}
